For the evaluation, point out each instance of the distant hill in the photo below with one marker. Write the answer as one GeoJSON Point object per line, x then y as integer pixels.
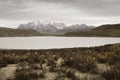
{"type": "Point", "coordinates": [76, 28]}
{"type": "Point", "coordinates": [112, 30]}
{"type": "Point", "coordinates": [9, 32]}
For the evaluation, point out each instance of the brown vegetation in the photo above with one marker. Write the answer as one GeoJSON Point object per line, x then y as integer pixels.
{"type": "Point", "coordinates": [35, 64]}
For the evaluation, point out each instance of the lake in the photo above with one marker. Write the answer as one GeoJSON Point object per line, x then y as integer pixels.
{"type": "Point", "coordinates": [50, 42]}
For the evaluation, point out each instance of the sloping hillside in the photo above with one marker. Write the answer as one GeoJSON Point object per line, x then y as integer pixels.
{"type": "Point", "coordinates": [9, 32]}
{"type": "Point", "coordinates": [100, 31]}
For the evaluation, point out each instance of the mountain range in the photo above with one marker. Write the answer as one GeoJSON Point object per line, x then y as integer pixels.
{"type": "Point", "coordinates": [60, 29]}
{"type": "Point", "coordinates": [54, 28]}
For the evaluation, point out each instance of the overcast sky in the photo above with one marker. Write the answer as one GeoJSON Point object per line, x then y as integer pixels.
{"type": "Point", "coordinates": [91, 12]}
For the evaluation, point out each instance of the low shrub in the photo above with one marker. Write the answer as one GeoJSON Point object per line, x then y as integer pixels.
{"type": "Point", "coordinates": [113, 73]}
{"type": "Point", "coordinates": [28, 75]}
{"type": "Point", "coordinates": [82, 63]}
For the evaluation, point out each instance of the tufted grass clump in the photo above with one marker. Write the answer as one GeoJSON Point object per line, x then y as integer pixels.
{"type": "Point", "coordinates": [113, 73]}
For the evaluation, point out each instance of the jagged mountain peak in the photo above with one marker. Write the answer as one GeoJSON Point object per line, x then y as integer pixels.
{"type": "Point", "coordinates": [54, 27]}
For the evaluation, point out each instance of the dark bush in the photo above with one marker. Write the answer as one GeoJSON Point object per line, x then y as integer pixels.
{"type": "Point", "coordinates": [113, 73]}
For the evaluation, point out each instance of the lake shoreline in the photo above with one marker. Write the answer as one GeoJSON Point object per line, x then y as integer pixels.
{"type": "Point", "coordinates": [60, 48]}
{"type": "Point", "coordinates": [51, 42]}
{"type": "Point", "coordinates": [61, 36]}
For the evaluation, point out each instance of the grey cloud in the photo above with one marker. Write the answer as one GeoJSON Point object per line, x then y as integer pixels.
{"type": "Point", "coordinates": [9, 6]}
{"type": "Point", "coordinates": [92, 7]}
{"type": "Point", "coordinates": [104, 8]}
{"type": "Point", "coordinates": [12, 8]}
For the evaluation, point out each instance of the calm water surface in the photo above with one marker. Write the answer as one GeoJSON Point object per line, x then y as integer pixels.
{"type": "Point", "coordinates": [49, 42]}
